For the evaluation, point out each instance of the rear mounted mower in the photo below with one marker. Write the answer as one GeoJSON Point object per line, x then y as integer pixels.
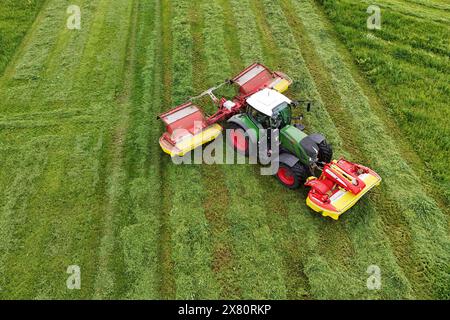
{"type": "Point", "coordinates": [260, 104]}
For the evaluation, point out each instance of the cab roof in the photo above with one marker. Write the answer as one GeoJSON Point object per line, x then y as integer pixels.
{"type": "Point", "coordinates": [266, 100]}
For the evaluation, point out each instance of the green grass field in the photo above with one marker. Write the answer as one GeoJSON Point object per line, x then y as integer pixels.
{"type": "Point", "coordinates": [84, 181]}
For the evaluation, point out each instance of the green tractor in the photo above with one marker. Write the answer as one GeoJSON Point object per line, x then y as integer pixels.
{"type": "Point", "coordinates": [268, 113]}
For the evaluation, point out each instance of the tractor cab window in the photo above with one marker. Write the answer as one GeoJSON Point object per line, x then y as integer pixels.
{"type": "Point", "coordinates": [281, 115]}
{"type": "Point", "coordinates": [259, 117]}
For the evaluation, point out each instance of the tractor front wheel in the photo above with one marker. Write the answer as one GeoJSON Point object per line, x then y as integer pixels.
{"type": "Point", "coordinates": [292, 177]}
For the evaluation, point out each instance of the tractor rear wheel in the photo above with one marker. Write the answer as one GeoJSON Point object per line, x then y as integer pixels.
{"type": "Point", "coordinates": [325, 152]}
{"type": "Point", "coordinates": [238, 139]}
{"type": "Point", "coordinates": [292, 177]}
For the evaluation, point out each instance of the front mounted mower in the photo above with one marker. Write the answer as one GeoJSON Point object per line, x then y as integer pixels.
{"type": "Point", "coordinates": [260, 104]}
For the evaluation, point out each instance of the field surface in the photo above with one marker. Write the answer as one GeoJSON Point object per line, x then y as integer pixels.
{"type": "Point", "coordinates": [84, 182]}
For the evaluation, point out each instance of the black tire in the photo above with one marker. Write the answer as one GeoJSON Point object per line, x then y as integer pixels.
{"type": "Point", "coordinates": [299, 172]}
{"type": "Point", "coordinates": [234, 126]}
{"type": "Point", "coordinates": [325, 152]}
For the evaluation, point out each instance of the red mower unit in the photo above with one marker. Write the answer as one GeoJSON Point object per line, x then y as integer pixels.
{"type": "Point", "coordinates": [259, 104]}
{"type": "Point", "coordinates": [340, 186]}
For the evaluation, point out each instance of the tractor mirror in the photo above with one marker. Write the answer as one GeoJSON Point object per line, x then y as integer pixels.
{"type": "Point", "coordinates": [295, 103]}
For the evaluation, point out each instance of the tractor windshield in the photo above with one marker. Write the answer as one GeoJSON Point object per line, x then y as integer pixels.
{"type": "Point", "coordinates": [283, 113]}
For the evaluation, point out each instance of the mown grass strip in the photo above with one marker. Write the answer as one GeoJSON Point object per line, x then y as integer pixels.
{"type": "Point", "coordinates": [191, 238]}
{"type": "Point", "coordinates": [63, 64]}
{"type": "Point", "coordinates": [211, 65]}
{"type": "Point", "coordinates": [27, 67]}
{"type": "Point", "coordinates": [62, 220]}
{"type": "Point", "coordinates": [20, 187]}
{"type": "Point", "coordinates": [16, 17]}
{"type": "Point", "coordinates": [351, 266]}
{"type": "Point", "coordinates": [141, 237]}
{"type": "Point", "coordinates": [426, 221]}
{"type": "Point", "coordinates": [250, 48]}
{"type": "Point", "coordinates": [167, 286]}
{"type": "Point", "coordinates": [108, 281]}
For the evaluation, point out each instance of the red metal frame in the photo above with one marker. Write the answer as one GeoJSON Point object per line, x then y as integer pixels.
{"type": "Point", "coordinates": [327, 184]}
{"type": "Point", "coordinates": [259, 81]}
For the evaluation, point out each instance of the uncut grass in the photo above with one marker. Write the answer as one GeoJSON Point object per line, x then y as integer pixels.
{"type": "Point", "coordinates": [414, 10]}
{"type": "Point", "coordinates": [192, 251]}
{"type": "Point", "coordinates": [16, 17]}
{"type": "Point", "coordinates": [353, 261]}
{"type": "Point", "coordinates": [407, 62]}
{"type": "Point", "coordinates": [420, 211]}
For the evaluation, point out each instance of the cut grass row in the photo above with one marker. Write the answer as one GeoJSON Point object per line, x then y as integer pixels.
{"type": "Point", "coordinates": [64, 210]}
{"type": "Point", "coordinates": [16, 17]}
{"type": "Point", "coordinates": [352, 263]}
{"type": "Point", "coordinates": [190, 235]}
{"type": "Point", "coordinates": [212, 65]}
{"type": "Point", "coordinates": [109, 280]}
{"type": "Point", "coordinates": [420, 211]}
{"type": "Point", "coordinates": [166, 263]}
{"type": "Point", "coordinates": [257, 266]}
{"type": "Point", "coordinates": [140, 237]}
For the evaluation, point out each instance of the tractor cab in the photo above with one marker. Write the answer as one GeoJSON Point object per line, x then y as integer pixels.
{"type": "Point", "coordinates": [269, 109]}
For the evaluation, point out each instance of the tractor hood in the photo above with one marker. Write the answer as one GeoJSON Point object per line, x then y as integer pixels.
{"type": "Point", "coordinates": [291, 139]}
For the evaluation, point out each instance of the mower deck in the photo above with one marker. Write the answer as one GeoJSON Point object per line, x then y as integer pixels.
{"type": "Point", "coordinates": [340, 186]}
{"type": "Point", "coordinates": [189, 141]}
{"type": "Point", "coordinates": [187, 129]}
